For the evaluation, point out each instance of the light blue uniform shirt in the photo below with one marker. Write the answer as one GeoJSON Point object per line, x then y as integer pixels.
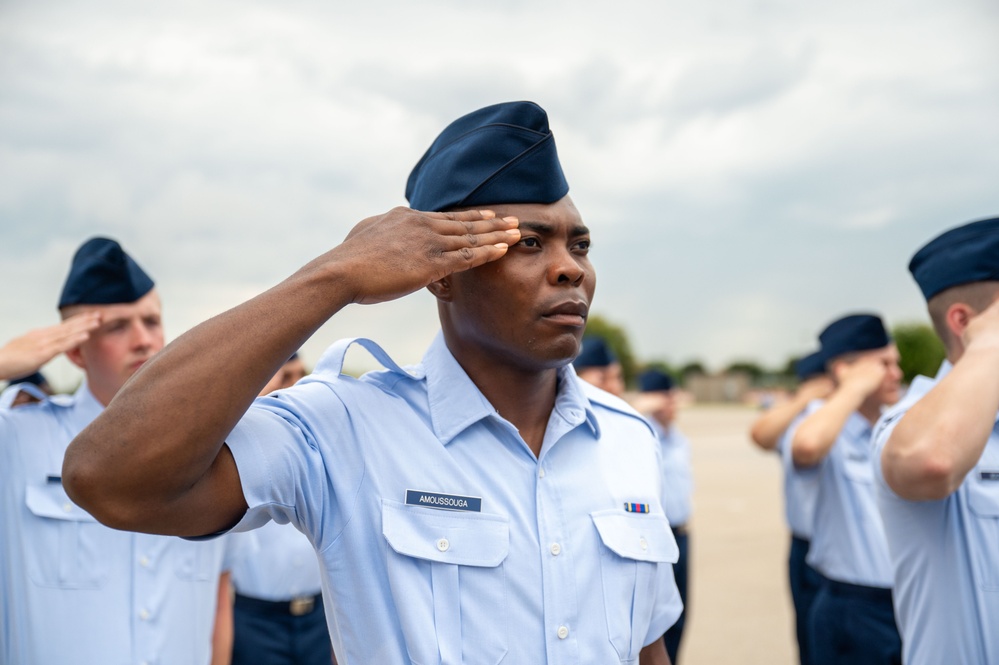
{"type": "Point", "coordinates": [678, 476]}
{"type": "Point", "coordinates": [74, 591]}
{"type": "Point", "coordinates": [801, 486]}
{"type": "Point", "coordinates": [848, 539]}
{"type": "Point", "coordinates": [537, 560]}
{"type": "Point", "coordinates": [945, 555]}
{"type": "Point", "coordinates": [277, 562]}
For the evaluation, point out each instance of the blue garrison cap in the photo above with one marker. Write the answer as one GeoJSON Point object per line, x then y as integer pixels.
{"type": "Point", "coordinates": [811, 365]}
{"type": "Point", "coordinates": [595, 352]}
{"type": "Point", "coordinates": [35, 379]}
{"type": "Point", "coordinates": [103, 274]}
{"type": "Point", "coordinates": [503, 153]}
{"type": "Point", "coordinates": [654, 379]}
{"type": "Point", "coordinates": [856, 332]}
{"type": "Point", "coordinates": [968, 253]}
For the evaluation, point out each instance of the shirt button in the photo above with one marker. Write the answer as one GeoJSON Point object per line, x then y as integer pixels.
{"type": "Point", "coordinates": [541, 473]}
{"type": "Point", "coordinates": [67, 507]}
{"type": "Point", "coordinates": [144, 562]}
{"type": "Point", "coordinates": [556, 549]}
{"type": "Point", "coordinates": [144, 614]}
{"type": "Point", "coordinates": [443, 544]}
{"type": "Point", "coordinates": [563, 632]}
{"type": "Point", "coordinates": [643, 544]}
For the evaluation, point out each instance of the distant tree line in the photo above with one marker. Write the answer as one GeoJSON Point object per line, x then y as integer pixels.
{"type": "Point", "coordinates": [920, 349]}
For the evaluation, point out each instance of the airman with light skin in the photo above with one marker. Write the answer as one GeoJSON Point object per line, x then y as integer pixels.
{"type": "Point", "coordinates": [866, 382]}
{"type": "Point", "coordinates": [937, 460]}
{"type": "Point", "coordinates": [942, 437]}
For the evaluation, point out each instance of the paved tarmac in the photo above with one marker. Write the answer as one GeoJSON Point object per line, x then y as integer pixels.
{"type": "Point", "coordinates": [740, 608]}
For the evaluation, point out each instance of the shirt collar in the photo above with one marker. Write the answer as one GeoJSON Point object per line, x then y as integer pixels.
{"type": "Point", "coordinates": [456, 403]}
{"type": "Point", "coordinates": [86, 407]}
{"type": "Point", "coordinates": [572, 404]}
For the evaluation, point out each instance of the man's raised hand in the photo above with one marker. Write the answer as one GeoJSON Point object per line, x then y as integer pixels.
{"type": "Point", "coordinates": [404, 250]}
{"type": "Point", "coordinates": [27, 353]}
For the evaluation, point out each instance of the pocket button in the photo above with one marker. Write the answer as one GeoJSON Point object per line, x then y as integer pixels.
{"type": "Point", "coordinates": [443, 545]}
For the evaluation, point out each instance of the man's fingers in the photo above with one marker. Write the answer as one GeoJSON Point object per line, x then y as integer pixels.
{"type": "Point", "coordinates": [475, 227]}
{"type": "Point", "coordinates": [466, 258]}
{"type": "Point", "coordinates": [505, 237]}
{"type": "Point", "coordinates": [464, 215]}
{"type": "Point", "coordinates": [81, 323]}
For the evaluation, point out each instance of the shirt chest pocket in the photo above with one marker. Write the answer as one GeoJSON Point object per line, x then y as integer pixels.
{"type": "Point", "coordinates": [65, 547]}
{"type": "Point", "coordinates": [859, 469]}
{"type": "Point", "coordinates": [983, 500]}
{"type": "Point", "coordinates": [446, 572]}
{"type": "Point", "coordinates": [636, 549]}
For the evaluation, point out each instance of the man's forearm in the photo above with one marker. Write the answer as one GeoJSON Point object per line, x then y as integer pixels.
{"type": "Point", "coordinates": [155, 461]}
{"type": "Point", "coordinates": [163, 432]}
{"type": "Point", "coordinates": [817, 433]}
{"type": "Point", "coordinates": [223, 631]}
{"type": "Point", "coordinates": [941, 438]}
{"type": "Point", "coordinates": [769, 427]}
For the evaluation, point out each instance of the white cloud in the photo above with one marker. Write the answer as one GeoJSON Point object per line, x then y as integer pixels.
{"type": "Point", "coordinates": [731, 156]}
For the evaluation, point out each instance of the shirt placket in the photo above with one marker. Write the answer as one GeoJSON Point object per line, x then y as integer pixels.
{"type": "Point", "coordinates": [146, 559]}
{"type": "Point", "coordinates": [557, 569]}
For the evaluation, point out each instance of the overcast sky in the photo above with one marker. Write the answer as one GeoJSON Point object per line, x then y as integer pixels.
{"type": "Point", "coordinates": [750, 169]}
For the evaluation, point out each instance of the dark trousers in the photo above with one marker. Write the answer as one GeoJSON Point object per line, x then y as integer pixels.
{"type": "Point", "coordinates": [673, 635]}
{"type": "Point", "coordinates": [267, 633]}
{"type": "Point", "coordinates": [805, 583]}
{"type": "Point", "coordinates": [853, 625]}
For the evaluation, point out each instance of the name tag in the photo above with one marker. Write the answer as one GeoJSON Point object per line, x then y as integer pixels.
{"type": "Point", "coordinates": [989, 475]}
{"type": "Point", "coordinates": [443, 501]}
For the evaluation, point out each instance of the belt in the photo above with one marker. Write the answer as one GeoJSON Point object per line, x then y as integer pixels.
{"type": "Point", "coordinates": [679, 530]}
{"type": "Point", "coordinates": [872, 593]}
{"type": "Point", "coordinates": [296, 607]}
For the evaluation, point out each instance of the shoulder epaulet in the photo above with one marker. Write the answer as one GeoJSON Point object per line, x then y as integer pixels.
{"type": "Point", "coordinates": [330, 364]}
{"type": "Point", "coordinates": [605, 400]}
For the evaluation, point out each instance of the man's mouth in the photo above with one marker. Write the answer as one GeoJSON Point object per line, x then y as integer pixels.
{"type": "Point", "coordinates": [572, 313]}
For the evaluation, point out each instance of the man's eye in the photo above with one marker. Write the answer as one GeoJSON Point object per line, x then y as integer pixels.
{"type": "Point", "coordinates": [530, 242]}
{"type": "Point", "coordinates": [583, 245]}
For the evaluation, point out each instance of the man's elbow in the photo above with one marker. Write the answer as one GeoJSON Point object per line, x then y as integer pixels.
{"type": "Point", "coordinates": [927, 477]}
{"type": "Point", "coordinates": [762, 437]}
{"type": "Point", "coordinates": [806, 451]}
{"type": "Point", "coordinates": [91, 490]}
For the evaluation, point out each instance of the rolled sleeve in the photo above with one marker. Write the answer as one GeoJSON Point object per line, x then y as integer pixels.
{"type": "Point", "coordinates": [282, 448]}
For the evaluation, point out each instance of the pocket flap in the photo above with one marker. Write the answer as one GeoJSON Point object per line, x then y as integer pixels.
{"type": "Point", "coordinates": [983, 495]}
{"type": "Point", "coordinates": [462, 538]}
{"type": "Point", "coordinates": [52, 502]}
{"type": "Point", "coordinates": [859, 469]}
{"type": "Point", "coordinates": [637, 536]}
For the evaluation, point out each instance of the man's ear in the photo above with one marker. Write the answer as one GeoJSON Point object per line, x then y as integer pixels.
{"type": "Point", "coordinates": [441, 289]}
{"type": "Point", "coordinates": [836, 368]}
{"type": "Point", "coordinates": [958, 316]}
{"type": "Point", "coordinates": [76, 357]}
